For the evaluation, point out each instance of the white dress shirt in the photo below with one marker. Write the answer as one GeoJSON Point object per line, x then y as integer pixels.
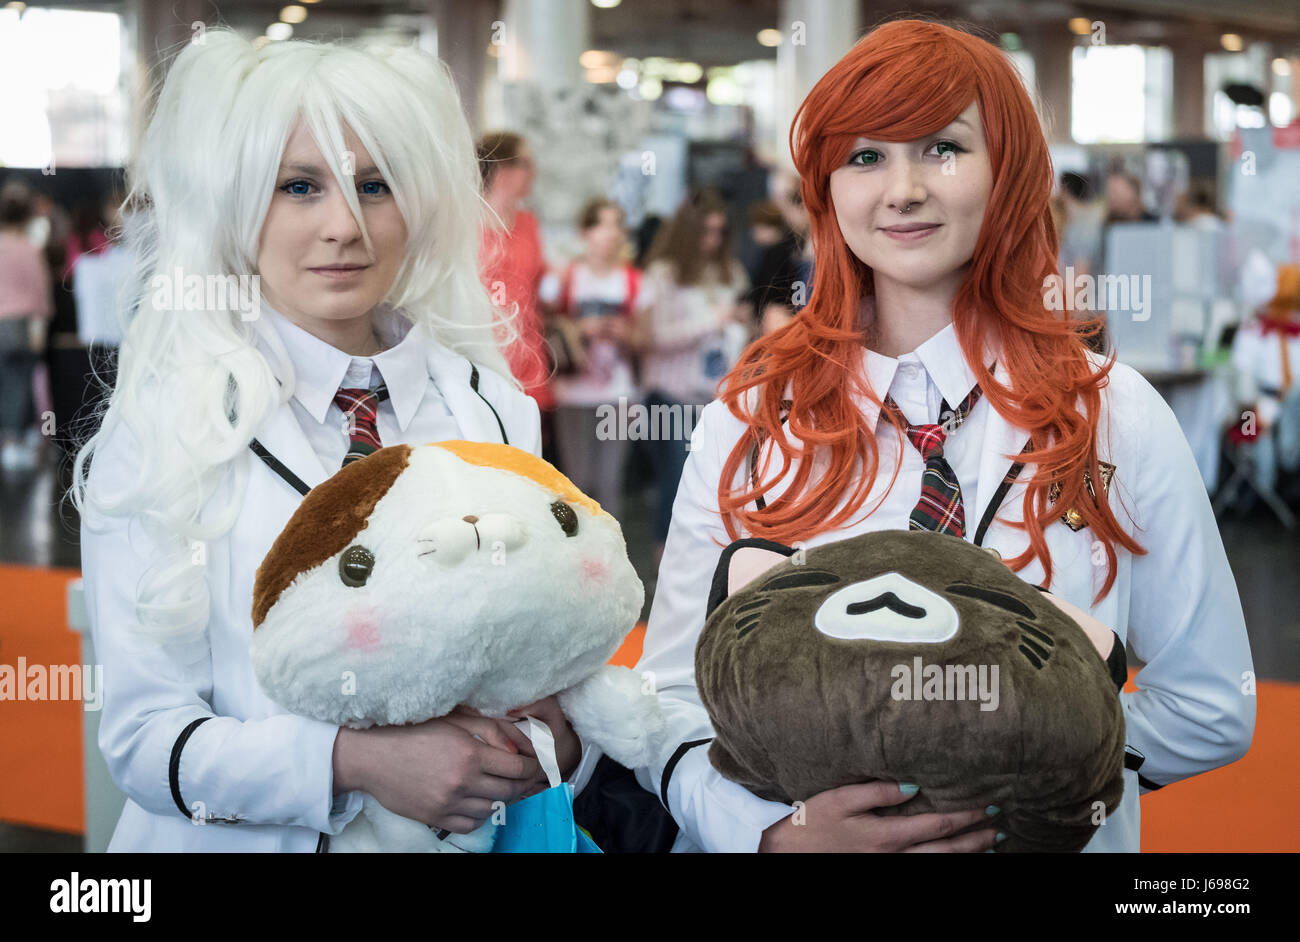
{"type": "Point", "coordinates": [255, 777]}
{"type": "Point", "coordinates": [919, 382]}
{"type": "Point", "coordinates": [1195, 710]}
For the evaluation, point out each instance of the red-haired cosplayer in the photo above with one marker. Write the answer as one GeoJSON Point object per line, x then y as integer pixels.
{"type": "Point", "coordinates": [927, 179]}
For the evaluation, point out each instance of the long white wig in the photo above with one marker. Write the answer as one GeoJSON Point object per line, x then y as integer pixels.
{"type": "Point", "coordinates": [192, 388]}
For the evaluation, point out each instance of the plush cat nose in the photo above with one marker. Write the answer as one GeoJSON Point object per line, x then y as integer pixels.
{"type": "Point", "coordinates": [888, 607]}
{"type": "Point", "coordinates": [453, 540]}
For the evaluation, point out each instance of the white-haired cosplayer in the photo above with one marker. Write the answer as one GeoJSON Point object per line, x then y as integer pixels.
{"type": "Point", "coordinates": [305, 218]}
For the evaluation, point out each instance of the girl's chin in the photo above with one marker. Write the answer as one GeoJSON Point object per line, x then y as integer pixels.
{"type": "Point", "coordinates": [915, 276]}
{"type": "Point", "coordinates": [340, 308]}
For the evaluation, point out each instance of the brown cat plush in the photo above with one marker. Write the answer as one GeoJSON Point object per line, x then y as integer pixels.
{"type": "Point", "coordinates": [913, 657]}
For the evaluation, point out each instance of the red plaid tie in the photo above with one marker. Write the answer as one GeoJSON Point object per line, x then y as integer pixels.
{"type": "Point", "coordinates": [940, 507]}
{"type": "Point", "coordinates": [361, 409]}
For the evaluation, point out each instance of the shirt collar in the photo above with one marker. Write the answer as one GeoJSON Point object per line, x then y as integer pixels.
{"type": "Point", "coordinates": [941, 357]}
{"type": "Point", "coordinates": [320, 369]}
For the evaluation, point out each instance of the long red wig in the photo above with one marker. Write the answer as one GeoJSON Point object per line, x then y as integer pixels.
{"type": "Point", "coordinates": [902, 81]}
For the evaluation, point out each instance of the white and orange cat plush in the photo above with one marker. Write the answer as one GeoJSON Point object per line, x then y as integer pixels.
{"type": "Point", "coordinates": [420, 578]}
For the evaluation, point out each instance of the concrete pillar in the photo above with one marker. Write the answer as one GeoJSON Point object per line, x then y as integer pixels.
{"type": "Point", "coordinates": [1295, 86]}
{"type": "Point", "coordinates": [464, 32]}
{"type": "Point", "coordinates": [1190, 119]}
{"type": "Point", "coordinates": [815, 34]}
{"type": "Point", "coordinates": [160, 29]}
{"type": "Point", "coordinates": [544, 40]}
{"type": "Point", "coordinates": [1052, 46]}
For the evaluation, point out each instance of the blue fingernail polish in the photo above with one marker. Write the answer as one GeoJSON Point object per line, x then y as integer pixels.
{"type": "Point", "coordinates": [991, 810]}
{"type": "Point", "coordinates": [1000, 838]}
{"type": "Point", "coordinates": [909, 789]}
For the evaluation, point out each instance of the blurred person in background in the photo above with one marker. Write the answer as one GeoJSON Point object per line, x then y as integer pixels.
{"type": "Point", "coordinates": [25, 310]}
{"type": "Point", "coordinates": [1123, 204]}
{"type": "Point", "coordinates": [83, 352]}
{"type": "Point", "coordinates": [775, 269]}
{"type": "Point", "coordinates": [1196, 207]}
{"type": "Point", "coordinates": [48, 221]}
{"type": "Point", "coordinates": [1266, 355]}
{"type": "Point", "coordinates": [1124, 199]}
{"type": "Point", "coordinates": [89, 230]}
{"type": "Point", "coordinates": [790, 200]}
{"type": "Point", "coordinates": [690, 298]}
{"type": "Point", "coordinates": [1080, 227]}
{"type": "Point", "coordinates": [594, 298]}
{"type": "Point", "coordinates": [645, 238]}
{"type": "Point", "coordinates": [512, 265]}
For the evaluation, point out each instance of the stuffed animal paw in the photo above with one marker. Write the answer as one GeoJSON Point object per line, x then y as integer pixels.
{"type": "Point", "coordinates": [613, 707]}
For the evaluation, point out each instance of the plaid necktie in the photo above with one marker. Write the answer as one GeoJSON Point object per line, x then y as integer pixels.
{"type": "Point", "coordinates": [360, 409]}
{"type": "Point", "coordinates": [940, 507]}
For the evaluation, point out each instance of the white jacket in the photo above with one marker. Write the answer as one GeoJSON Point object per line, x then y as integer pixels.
{"type": "Point", "coordinates": [250, 762]}
{"type": "Point", "coordinates": [1177, 606]}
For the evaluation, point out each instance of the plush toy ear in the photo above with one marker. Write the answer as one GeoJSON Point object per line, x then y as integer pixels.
{"type": "Point", "coordinates": [741, 563]}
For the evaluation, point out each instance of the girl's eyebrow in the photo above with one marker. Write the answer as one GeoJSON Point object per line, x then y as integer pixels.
{"type": "Point", "coordinates": [955, 121]}
{"type": "Point", "coordinates": [313, 170]}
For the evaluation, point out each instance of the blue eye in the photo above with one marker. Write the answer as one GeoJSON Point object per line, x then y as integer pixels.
{"type": "Point", "coordinates": [297, 187]}
{"type": "Point", "coordinates": [368, 188]}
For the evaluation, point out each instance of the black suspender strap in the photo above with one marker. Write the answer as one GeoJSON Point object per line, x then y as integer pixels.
{"type": "Point", "coordinates": [276, 465]}
{"type": "Point", "coordinates": [759, 503]}
{"type": "Point", "coordinates": [473, 384]}
{"type": "Point", "coordinates": [1117, 663]}
{"type": "Point", "coordinates": [174, 766]}
{"type": "Point", "coordinates": [1133, 760]}
{"type": "Point", "coordinates": [672, 764]}
{"type": "Point", "coordinates": [999, 495]}
{"type": "Point", "coordinates": [299, 485]}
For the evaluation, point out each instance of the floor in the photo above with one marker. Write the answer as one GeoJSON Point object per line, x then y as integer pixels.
{"type": "Point", "coordinates": [38, 527]}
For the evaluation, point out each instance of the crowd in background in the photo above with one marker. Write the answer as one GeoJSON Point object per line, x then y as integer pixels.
{"type": "Point", "coordinates": [658, 328]}
{"type": "Point", "coordinates": [57, 322]}
{"type": "Point", "coordinates": [653, 317]}
{"type": "Point", "coordinates": [1264, 347]}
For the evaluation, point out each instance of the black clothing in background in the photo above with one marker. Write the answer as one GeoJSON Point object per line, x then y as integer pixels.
{"type": "Point", "coordinates": [774, 274]}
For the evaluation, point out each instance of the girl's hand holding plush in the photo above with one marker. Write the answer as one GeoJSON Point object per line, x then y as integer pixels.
{"type": "Point", "coordinates": [568, 748]}
{"type": "Point", "coordinates": [840, 820]}
{"type": "Point", "coordinates": [445, 773]}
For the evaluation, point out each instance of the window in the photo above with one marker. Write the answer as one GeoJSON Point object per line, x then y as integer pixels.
{"type": "Point", "coordinates": [64, 100]}
{"type": "Point", "coordinates": [1121, 94]}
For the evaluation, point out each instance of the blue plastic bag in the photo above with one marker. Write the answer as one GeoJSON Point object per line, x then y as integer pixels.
{"type": "Point", "coordinates": [543, 824]}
